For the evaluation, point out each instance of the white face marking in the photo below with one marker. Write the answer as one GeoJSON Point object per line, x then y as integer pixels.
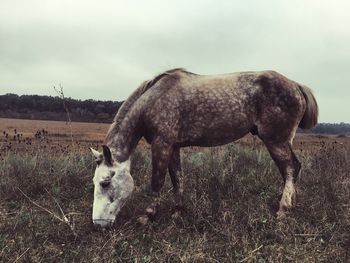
{"type": "Point", "coordinates": [113, 185]}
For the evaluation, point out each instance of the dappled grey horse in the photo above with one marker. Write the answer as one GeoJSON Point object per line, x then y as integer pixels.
{"type": "Point", "coordinates": [178, 109]}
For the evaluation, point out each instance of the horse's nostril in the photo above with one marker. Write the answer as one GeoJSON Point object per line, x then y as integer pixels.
{"type": "Point", "coordinates": [105, 184]}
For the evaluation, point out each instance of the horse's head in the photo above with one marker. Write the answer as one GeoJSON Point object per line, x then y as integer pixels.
{"type": "Point", "coordinates": [113, 184]}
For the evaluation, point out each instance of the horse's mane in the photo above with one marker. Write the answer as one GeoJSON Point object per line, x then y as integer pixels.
{"type": "Point", "coordinates": [130, 101]}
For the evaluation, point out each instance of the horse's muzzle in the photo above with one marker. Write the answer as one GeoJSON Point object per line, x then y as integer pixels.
{"type": "Point", "coordinates": [103, 222]}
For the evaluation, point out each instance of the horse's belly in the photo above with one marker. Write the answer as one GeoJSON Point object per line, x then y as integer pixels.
{"type": "Point", "coordinates": [213, 135]}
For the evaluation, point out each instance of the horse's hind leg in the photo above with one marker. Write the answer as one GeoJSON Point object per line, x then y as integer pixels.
{"type": "Point", "coordinates": [289, 167]}
{"type": "Point", "coordinates": [175, 172]}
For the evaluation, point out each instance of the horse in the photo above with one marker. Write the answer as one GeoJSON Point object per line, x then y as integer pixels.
{"type": "Point", "coordinates": [178, 109]}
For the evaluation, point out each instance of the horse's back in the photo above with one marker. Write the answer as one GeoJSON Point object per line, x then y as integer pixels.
{"type": "Point", "coordinates": [216, 109]}
{"type": "Point", "coordinates": [201, 110]}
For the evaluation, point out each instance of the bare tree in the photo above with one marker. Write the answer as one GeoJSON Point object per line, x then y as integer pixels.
{"type": "Point", "coordinates": [60, 93]}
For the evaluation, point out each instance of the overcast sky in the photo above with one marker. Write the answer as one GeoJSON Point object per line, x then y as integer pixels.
{"type": "Point", "coordinates": [105, 49]}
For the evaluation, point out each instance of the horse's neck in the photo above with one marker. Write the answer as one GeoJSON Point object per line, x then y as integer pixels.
{"type": "Point", "coordinates": [122, 143]}
{"type": "Point", "coordinates": [123, 160]}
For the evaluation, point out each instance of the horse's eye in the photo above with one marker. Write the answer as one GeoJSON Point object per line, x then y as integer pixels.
{"type": "Point", "coordinates": [112, 173]}
{"type": "Point", "coordinates": [105, 184]}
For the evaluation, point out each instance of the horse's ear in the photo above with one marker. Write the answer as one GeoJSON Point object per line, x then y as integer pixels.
{"type": "Point", "coordinates": [98, 156]}
{"type": "Point", "coordinates": [107, 154]}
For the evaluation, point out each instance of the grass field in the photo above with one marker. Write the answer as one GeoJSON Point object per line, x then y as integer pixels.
{"type": "Point", "coordinates": [231, 196]}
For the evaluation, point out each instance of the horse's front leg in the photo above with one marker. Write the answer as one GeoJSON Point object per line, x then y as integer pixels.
{"type": "Point", "coordinates": [161, 154]}
{"type": "Point", "coordinates": [175, 172]}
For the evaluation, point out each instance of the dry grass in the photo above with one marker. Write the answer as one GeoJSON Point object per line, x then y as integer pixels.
{"type": "Point", "coordinates": [88, 131]}
{"type": "Point", "coordinates": [231, 196]}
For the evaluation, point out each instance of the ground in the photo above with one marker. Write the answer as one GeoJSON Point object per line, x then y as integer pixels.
{"type": "Point", "coordinates": [231, 196]}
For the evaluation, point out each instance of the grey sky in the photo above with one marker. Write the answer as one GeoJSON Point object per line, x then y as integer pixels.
{"type": "Point", "coordinates": [105, 49]}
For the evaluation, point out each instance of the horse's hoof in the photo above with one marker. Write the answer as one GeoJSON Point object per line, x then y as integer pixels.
{"type": "Point", "coordinates": [176, 215]}
{"type": "Point", "coordinates": [280, 215]}
{"type": "Point", "coordinates": [143, 220]}
{"type": "Point", "coordinates": [151, 211]}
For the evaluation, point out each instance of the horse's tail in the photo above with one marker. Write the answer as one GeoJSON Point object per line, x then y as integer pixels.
{"type": "Point", "coordinates": [309, 119]}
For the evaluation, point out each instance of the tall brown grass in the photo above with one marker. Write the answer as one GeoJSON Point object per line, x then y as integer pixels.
{"type": "Point", "coordinates": [231, 196]}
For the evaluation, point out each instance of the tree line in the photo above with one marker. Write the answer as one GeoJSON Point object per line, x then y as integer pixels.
{"type": "Point", "coordinates": [51, 108]}
{"type": "Point", "coordinates": [329, 128]}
